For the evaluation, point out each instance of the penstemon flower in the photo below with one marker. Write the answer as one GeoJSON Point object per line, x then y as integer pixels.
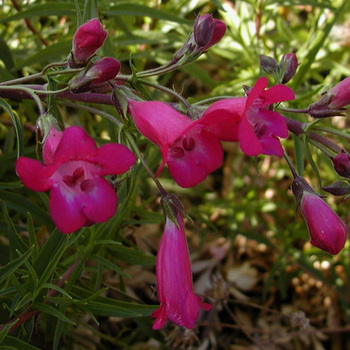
{"type": "Point", "coordinates": [73, 171]}
{"type": "Point", "coordinates": [188, 148]}
{"type": "Point", "coordinates": [178, 303]}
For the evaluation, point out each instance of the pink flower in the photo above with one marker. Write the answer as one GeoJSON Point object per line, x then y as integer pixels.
{"type": "Point", "coordinates": [260, 127]}
{"type": "Point", "coordinates": [174, 280]}
{"type": "Point", "coordinates": [98, 73]}
{"type": "Point", "coordinates": [88, 38]}
{"type": "Point", "coordinates": [73, 171]}
{"type": "Point", "coordinates": [326, 229]}
{"type": "Point", "coordinates": [188, 148]}
{"type": "Point", "coordinates": [207, 32]}
{"type": "Point", "coordinates": [341, 94]}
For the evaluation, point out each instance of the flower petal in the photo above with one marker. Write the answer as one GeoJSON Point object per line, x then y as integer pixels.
{"type": "Point", "coordinates": [195, 165]}
{"type": "Point", "coordinates": [275, 123]}
{"type": "Point", "coordinates": [99, 204]}
{"type": "Point", "coordinates": [157, 121]}
{"type": "Point", "coordinates": [34, 174]}
{"type": "Point", "coordinates": [75, 144]}
{"type": "Point", "coordinates": [248, 141]}
{"type": "Point", "coordinates": [278, 93]}
{"type": "Point", "coordinates": [51, 143]}
{"type": "Point", "coordinates": [223, 117]}
{"type": "Point", "coordinates": [66, 210]}
{"type": "Point", "coordinates": [256, 90]}
{"type": "Point", "coordinates": [114, 158]}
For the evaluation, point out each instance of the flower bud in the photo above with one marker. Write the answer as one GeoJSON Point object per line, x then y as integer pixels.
{"type": "Point", "coordinates": [268, 64]}
{"type": "Point", "coordinates": [341, 163]}
{"type": "Point", "coordinates": [207, 31]}
{"type": "Point", "coordinates": [338, 188]}
{"type": "Point", "coordinates": [327, 231]}
{"type": "Point", "coordinates": [341, 94]}
{"type": "Point", "coordinates": [88, 38]}
{"type": "Point", "coordinates": [96, 74]}
{"type": "Point", "coordinates": [288, 65]}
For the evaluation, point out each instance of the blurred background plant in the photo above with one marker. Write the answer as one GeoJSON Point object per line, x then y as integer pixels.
{"type": "Point", "coordinates": [249, 247]}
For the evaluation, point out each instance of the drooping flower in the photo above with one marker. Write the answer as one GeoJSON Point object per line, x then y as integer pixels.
{"type": "Point", "coordinates": [178, 303]}
{"type": "Point", "coordinates": [326, 229]}
{"type": "Point", "coordinates": [73, 171]}
{"type": "Point", "coordinates": [98, 73]}
{"type": "Point", "coordinates": [188, 148]}
{"type": "Point", "coordinates": [260, 127]}
{"type": "Point", "coordinates": [88, 38]}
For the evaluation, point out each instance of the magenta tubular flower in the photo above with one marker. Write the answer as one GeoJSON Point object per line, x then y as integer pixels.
{"type": "Point", "coordinates": [188, 148]}
{"type": "Point", "coordinates": [341, 94]}
{"type": "Point", "coordinates": [207, 32]}
{"type": "Point", "coordinates": [178, 303]}
{"type": "Point", "coordinates": [73, 171]}
{"type": "Point", "coordinates": [88, 38]}
{"type": "Point", "coordinates": [260, 128]}
{"type": "Point", "coordinates": [100, 72]}
{"type": "Point", "coordinates": [326, 229]}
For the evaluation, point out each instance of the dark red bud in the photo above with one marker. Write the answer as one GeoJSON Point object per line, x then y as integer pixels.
{"type": "Point", "coordinates": [268, 64]}
{"type": "Point", "coordinates": [288, 65]}
{"type": "Point", "coordinates": [338, 188]}
{"type": "Point", "coordinates": [341, 163]}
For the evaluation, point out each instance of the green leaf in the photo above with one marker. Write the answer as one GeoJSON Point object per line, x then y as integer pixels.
{"type": "Point", "coordinates": [130, 9]}
{"type": "Point", "coordinates": [6, 329]}
{"type": "Point", "coordinates": [44, 308]}
{"type": "Point", "coordinates": [49, 256]}
{"type": "Point", "coordinates": [16, 242]}
{"type": "Point", "coordinates": [23, 205]}
{"type": "Point", "coordinates": [54, 52]}
{"type": "Point", "coordinates": [104, 306]}
{"type": "Point", "coordinates": [32, 237]}
{"type": "Point", "coordinates": [5, 54]}
{"type": "Point", "coordinates": [12, 266]}
{"type": "Point", "coordinates": [17, 125]}
{"type": "Point", "coordinates": [57, 288]}
{"type": "Point", "coordinates": [49, 9]}
{"type": "Point", "coordinates": [18, 344]}
{"type": "Point", "coordinates": [133, 256]}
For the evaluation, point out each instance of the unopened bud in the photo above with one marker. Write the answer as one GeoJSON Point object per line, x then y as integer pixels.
{"type": "Point", "coordinates": [88, 38]}
{"type": "Point", "coordinates": [207, 31]}
{"type": "Point", "coordinates": [338, 188]}
{"type": "Point", "coordinates": [327, 231]}
{"type": "Point", "coordinates": [268, 64]}
{"type": "Point", "coordinates": [288, 65]}
{"type": "Point", "coordinates": [98, 73]}
{"type": "Point", "coordinates": [341, 163]}
{"type": "Point", "coordinates": [341, 94]}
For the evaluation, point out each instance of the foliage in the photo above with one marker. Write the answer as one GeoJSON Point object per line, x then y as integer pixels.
{"type": "Point", "coordinates": [251, 257]}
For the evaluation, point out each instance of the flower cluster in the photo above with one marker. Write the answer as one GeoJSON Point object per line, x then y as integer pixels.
{"type": "Point", "coordinates": [74, 168]}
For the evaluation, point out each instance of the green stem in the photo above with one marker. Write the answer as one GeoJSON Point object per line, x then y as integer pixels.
{"type": "Point", "coordinates": [292, 110]}
{"type": "Point", "coordinates": [35, 76]}
{"type": "Point", "coordinates": [31, 92]}
{"type": "Point", "coordinates": [290, 164]}
{"type": "Point", "coordinates": [92, 110]}
{"type": "Point", "coordinates": [167, 90]}
{"type": "Point", "coordinates": [145, 165]}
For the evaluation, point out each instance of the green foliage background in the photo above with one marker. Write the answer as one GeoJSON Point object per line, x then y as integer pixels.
{"type": "Point", "coordinates": [243, 214]}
